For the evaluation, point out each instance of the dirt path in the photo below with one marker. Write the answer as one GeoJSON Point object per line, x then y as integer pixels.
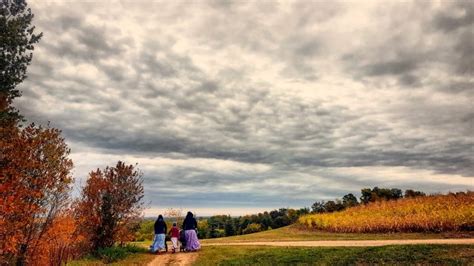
{"type": "Point", "coordinates": [182, 258]}
{"type": "Point", "coordinates": [179, 258]}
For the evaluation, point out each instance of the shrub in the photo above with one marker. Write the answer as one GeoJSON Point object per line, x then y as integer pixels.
{"type": "Point", "coordinates": [252, 228]}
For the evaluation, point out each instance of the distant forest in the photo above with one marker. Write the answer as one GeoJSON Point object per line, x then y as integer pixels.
{"type": "Point", "coordinates": [225, 225]}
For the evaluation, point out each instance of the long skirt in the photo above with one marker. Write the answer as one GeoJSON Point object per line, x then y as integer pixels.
{"type": "Point", "coordinates": [158, 243]}
{"type": "Point", "coordinates": [192, 241]}
{"type": "Point", "coordinates": [174, 240]}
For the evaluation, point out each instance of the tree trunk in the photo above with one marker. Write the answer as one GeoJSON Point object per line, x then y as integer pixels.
{"type": "Point", "coordinates": [21, 259]}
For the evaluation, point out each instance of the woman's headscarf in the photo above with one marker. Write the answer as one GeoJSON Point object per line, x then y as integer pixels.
{"type": "Point", "coordinates": [189, 215]}
{"type": "Point", "coordinates": [160, 219]}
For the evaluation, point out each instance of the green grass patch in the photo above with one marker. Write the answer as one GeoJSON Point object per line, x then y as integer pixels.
{"type": "Point", "coordinates": [127, 255]}
{"type": "Point", "coordinates": [397, 254]}
{"type": "Point", "coordinates": [298, 233]}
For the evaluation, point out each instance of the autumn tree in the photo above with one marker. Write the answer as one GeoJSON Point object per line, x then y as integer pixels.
{"type": "Point", "coordinates": [17, 39]}
{"type": "Point", "coordinates": [35, 179]}
{"type": "Point", "coordinates": [110, 205]}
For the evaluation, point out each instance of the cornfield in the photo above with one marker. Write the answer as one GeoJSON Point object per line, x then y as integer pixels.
{"type": "Point", "coordinates": [436, 213]}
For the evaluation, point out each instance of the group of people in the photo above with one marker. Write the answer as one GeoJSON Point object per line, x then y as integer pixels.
{"type": "Point", "coordinates": [187, 236]}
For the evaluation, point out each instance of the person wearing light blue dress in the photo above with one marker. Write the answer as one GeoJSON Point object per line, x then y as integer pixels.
{"type": "Point", "coordinates": [160, 235]}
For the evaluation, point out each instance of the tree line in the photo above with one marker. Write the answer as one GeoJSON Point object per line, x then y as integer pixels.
{"type": "Point", "coordinates": [225, 225]}
{"type": "Point", "coordinates": [367, 195]}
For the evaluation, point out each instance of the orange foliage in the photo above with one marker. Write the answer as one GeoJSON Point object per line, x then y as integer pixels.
{"type": "Point", "coordinates": [60, 243]}
{"type": "Point", "coordinates": [110, 205]}
{"type": "Point", "coordinates": [34, 184]}
{"type": "Point", "coordinates": [431, 213]}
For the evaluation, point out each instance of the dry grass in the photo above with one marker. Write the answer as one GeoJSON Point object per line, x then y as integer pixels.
{"type": "Point", "coordinates": [438, 213]}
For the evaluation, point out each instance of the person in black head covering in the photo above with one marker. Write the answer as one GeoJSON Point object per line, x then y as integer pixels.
{"type": "Point", "coordinates": [159, 242]}
{"type": "Point", "coordinates": [190, 227]}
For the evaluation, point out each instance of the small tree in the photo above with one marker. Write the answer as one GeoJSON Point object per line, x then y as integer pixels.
{"type": "Point", "coordinates": [110, 205]}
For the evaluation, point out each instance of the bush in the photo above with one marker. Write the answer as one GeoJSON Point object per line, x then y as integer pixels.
{"type": "Point", "coordinates": [252, 228]}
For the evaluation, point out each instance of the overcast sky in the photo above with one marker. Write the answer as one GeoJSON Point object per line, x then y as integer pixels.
{"type": "Point", "coordinates": [237, 107]}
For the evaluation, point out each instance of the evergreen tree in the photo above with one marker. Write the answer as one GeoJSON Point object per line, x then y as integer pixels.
{"type": "Point", "coordinates": [17, 39]}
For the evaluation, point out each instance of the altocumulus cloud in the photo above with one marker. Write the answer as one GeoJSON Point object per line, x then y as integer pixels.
{"type": "Point", "coordinates": [234, 107]}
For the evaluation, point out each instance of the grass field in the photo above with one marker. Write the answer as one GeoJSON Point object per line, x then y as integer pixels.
{"type": "Point", "coordinates": [295, 232]}
{"type": "Point", "coordinates": [399, 255]}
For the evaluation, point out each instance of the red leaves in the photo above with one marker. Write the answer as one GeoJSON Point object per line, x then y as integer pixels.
{"type": "Point", "coordinates": [110, 204]}
{"type": "Point", "coordinates": [60, 243]}
{"type": "Point", "coordinates": [34, 180]}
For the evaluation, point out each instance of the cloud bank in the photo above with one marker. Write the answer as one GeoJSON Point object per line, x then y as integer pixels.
{"type": "Point", "coordinates": [233, 106]}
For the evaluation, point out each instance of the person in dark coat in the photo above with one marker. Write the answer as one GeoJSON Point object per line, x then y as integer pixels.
{"type": "Point", "coordinates": [159, 241]}
{"type": "Point", "coordinates": [190, 227]}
